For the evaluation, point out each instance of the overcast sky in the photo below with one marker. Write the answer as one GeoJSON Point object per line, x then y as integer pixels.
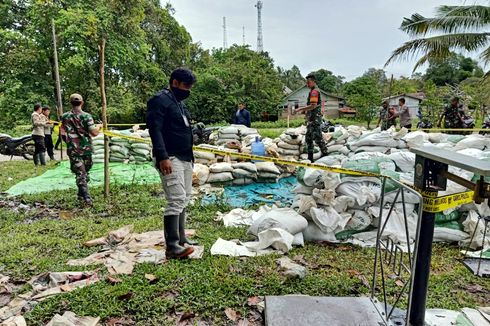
{"type": "Point", "coordinates": [344, 36]}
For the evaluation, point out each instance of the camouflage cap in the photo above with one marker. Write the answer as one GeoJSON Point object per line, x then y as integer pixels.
{"type": "Point", "coordinates": [76, 98]}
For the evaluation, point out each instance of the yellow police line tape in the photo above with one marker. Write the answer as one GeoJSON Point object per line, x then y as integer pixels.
{"type": "Point", "coordinates": [431, 203]}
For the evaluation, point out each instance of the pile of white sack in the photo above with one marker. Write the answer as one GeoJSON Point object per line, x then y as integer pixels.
{"type": "Point", "coordinates": [290, 143]}
{"type": "Point", "coordinates": [237, 173]}
{"type": "Point", "coordinates": [140, 152]}
{"type": "Point", "coordinates": [339, 206]}
{"type": "Point", "coordinates": [274, 229]}
{"type": "Point", "coordinates": [120, 148]}
{"type": "Point", "coordinates": [98, 146]}
{"type": "Point", "coordinates": [234, 135]}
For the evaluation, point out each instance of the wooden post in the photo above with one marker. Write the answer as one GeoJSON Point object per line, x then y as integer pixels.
{"type": "Point", "coordinates": [59, 111]}
{"type": "Point", "coordinates": [104, 117]}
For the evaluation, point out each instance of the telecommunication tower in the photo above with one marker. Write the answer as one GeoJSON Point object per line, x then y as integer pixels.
{"type": "Point", "coordinates": [260, 39]}
{"type": "Point", "coordinates": [243, 35]}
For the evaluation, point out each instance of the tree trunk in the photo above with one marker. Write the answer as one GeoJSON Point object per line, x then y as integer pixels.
{"type": "Point", "coordinates": [104, 117]}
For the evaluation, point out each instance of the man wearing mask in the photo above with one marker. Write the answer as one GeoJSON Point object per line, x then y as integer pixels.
{"type": "Point", "coordinates": [168, 121]}
{"type": "Point", "coordinates": [314, 118]}
{"type": "Point", "coordinates": [242, 116]}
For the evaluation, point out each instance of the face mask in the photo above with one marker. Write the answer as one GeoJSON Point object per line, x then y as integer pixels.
{"type": "Point", "coordinates": [180, 94]}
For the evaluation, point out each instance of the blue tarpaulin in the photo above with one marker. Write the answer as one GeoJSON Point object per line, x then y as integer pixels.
{"type": "Point", "coordinates": [257, 193]}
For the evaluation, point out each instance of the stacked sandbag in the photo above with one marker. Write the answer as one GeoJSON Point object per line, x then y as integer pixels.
{"type": "Point", "coordinates": [244, 173]}
{"type": "Point", "coordinates": [205, 158]}
{"type": "Point", "coordinates": [98, 146]}
{"type": "Point", "coordinates": [140, 152]}
{"type": "Point", "coordinates": [289, 144]}
{"type": "Point", "coordinates": [337, 141]}
{"type": "Point", "coordinates": [380, 142]}
{"type": "Point", "coordinates": [220, 173]}
{"type": "Point", "coordinates": [227, 134]}
{"type": "Point", "coordinates": [200, 174]}
{"type": "Point", "coordinates": [267, 172]}
{"type": "Point", "coordinates": [120, 148]}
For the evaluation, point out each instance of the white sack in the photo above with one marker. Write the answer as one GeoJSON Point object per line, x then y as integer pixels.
{"type": "Point", "coordinates": [220, 167]}
{"type": "Point", "coordinates": [283, 218]}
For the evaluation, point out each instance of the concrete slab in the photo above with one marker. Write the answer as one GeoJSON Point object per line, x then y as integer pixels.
{"type": "Point", "coordinates": [320, 311]}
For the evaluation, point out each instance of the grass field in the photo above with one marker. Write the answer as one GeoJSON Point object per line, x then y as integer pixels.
{"type": "Point", "coordinates": [43, 240]}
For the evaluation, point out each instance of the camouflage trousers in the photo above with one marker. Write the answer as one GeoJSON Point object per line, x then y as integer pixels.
{"type": "Point", "coordinates": [81, 166]}
{"type": "Point", "coordinates": [314, 134]}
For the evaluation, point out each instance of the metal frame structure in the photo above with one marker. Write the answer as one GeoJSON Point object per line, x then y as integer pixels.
{"type": "Point", "coordinates": [391, 255]}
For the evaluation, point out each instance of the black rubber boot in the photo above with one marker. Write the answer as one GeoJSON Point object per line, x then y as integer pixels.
{"type": "Point", "coordinates": [84, 197]}
{"type": "Point", "coordinates": [36, 159]}
{"type": "Point", "coordinates": [42, 158]}
{"type": "Point", "coordinates": [183, 239]}
{"type": "Point", "coordinates": [310, 157]}
{"type": "Point", "coordinates": [171, 230]}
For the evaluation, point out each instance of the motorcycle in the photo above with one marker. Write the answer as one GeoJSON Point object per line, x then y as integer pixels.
{"type": "Point", "coordinates": [327, 126]}
{"type": "Point", "coordinates": [486, 125]}
{"type": "Point", "coordinates": [201, 134]}
{"type": "Point", "coordinates": [22, 146]}
{"type": "Point", "coordinates": [424, 124]}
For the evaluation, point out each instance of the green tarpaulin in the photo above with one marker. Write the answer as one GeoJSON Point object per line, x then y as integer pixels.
{"type": "Point", "coordinates": [61, 178]}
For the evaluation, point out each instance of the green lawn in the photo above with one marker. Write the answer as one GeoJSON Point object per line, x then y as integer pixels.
{"type": "Point", "coordinates": [40, 241]}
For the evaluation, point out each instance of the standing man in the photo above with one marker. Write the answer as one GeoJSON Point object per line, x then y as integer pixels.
{"type": "Point", "coordinates": [314, 118]}
{"type": "Point", "coordinates": [404, 114]}
{"type": "Point", "coordinates": [79, 128]}
{"type": "Point", "coordinates": [452, 116]}
{"type": "Point", "coordinates": [242, 116]}
{"type": "Point", "coordinates": [39, 122]}
{"type": "Point", "coordinates": [168, 121]}
{"type": "Point", "coordinates": [48, 139]}
{"type": "Point", "coordinates": [387, 117]}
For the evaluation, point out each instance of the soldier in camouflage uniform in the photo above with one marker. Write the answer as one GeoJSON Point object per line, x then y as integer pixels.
{"type": "Point", "coordinates": [452, 116]}
{"type": "Point", "coordinates": [78, 127]}
{"type": "Point", "coordinates": [314, 118]}
{"type": "Point", "coordinates": [387, 117]}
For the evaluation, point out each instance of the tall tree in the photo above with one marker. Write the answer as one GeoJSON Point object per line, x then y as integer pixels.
{"type": "Point", "coordinates": [463, 28]}
{"type": "Point", "coordinates": [235, 75]}
{"type": "Point", "coordinates": [328, 82]}
{"type": "Point", "coordinates": [364, 94]}
{"type": "Point", "coordinates": [452, 70]}
{"type": "Point", "coordinates": [291, 78]}
{"type": "Point", "coordinates": [144, 43]}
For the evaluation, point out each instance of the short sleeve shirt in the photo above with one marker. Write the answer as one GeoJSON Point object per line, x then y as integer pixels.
{"type": "Point", "coordinates": [77, 126]}
{"type": "Point", "coordinates": [315, 114]}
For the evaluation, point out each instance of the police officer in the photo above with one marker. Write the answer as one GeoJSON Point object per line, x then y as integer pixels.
{"type": "Point", "coordinates": [314, 118]}
{"type": "Point", "coordinates": [79, 128]}
{"type": "Point", "coordinates": [168, 121]}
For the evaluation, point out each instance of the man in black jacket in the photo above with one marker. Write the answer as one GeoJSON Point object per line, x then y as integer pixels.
{"type": "Point", "coordinates": [168, 121]}
{"type": "Point", "coordinates": [242, 116]}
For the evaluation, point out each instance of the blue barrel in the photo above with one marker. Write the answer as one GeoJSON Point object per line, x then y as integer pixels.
{"type": "Point", "coordinates": [258, 148]}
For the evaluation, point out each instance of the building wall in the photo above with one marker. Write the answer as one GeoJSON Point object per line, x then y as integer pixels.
{"type": "Point", "coordinates": [412, 103]}
{"type": "Point", "coordinates": [331, 103]}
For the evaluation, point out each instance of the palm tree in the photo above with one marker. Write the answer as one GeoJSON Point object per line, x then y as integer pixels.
{"type": "Point", "coordinates": [454, 28]}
